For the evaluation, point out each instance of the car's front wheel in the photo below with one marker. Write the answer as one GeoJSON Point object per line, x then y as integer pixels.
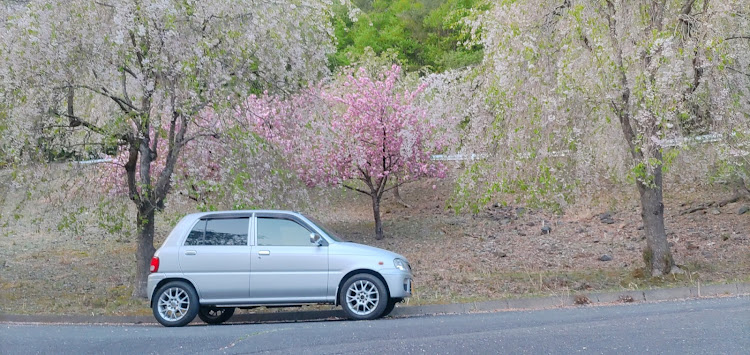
{"type": "Point", "coordinates": [363, 297]}
{"type": "Point", "coordinates": [175, 304]}
{"type": "Point", "coordinates": [215, 315]}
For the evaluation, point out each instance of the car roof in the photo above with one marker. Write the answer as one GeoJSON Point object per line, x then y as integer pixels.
{"type": "Point", "coordinates": [237, 213]}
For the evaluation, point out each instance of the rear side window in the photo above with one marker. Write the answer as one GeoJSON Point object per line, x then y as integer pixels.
{"type": "Point", "coordinates": [282, 232]}
{"type": "Point", "coordinates": [224, 231]}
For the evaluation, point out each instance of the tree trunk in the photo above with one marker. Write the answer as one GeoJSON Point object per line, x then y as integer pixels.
{"type": "Point", "coordinates": [376, 213]}
{"type": "Point", "coordinates": [657, 255]}
{"type": "Point", "coordinates": [145, 249]}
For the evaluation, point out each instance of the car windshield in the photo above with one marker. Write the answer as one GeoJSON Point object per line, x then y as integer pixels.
{"type": "Point", "coordinates": [333, 235]}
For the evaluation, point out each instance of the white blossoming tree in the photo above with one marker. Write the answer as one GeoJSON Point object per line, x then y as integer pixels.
{"type": "Point", "coordinates": [564, 69]}
{"type": "Point", "coordinates": [138, 74]}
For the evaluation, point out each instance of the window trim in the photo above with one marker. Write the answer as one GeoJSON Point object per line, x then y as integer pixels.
{"type": "Point", "coordinates": [217, 216]}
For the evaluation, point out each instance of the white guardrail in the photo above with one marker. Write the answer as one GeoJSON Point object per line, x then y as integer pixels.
{"type": "Point", "coordinates": [94, 161]}
{"type": "Point", "coordinates": [667, 143]}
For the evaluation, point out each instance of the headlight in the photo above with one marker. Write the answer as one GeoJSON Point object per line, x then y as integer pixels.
{"type": "Point", "coordinates": [401, 264]}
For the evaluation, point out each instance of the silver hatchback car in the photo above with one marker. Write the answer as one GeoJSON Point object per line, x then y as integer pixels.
{"type": "Point", "coordinates": [214, 262]}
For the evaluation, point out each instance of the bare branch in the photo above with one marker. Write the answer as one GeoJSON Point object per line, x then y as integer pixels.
{"type": "Point", "coordinates": [622, 110]}
{"type": "Point", "coordinates": [688, 7]}
{"type": "Point", "coordinates": [356, 189]}
{"type": "Point", "coordinates": [551, 18]}
{"type": "Point", "coordinates": [76, 121]}
{"type": "Point", "coordinates": [124, 82]}
{"type": "Point", "coordinates": [366, 178]}
{"type": "Point", "coordinates": [129, 71]}
{"type": "Point", "coordinates": [71, 114]}
{"type": "Point", "coordinates": [697, 73]}
{"type": "Point", "coordinates": [586, 42]}
{"type": "Point", "coordinates": [381, 186]}
{"type": "Point", "coordinates": [176, 140]}
{"type": "Point", "coordinates": [397, 185]}
{"type": "Point", "coordinates": [130, 167]}
{"type": "Point", "coordinates": [738, 71]}
{"type": "Point", "coordinates": [124, 106]}
{"type": "Point", "coordinates": [104, 4]}
{"type": "Point", "coordinates": [189, 139]}
{"type": "Point", "coordinates": [138, 53]}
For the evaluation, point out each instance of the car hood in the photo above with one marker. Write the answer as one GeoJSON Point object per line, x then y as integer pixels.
{"type": "Point", "coordinates": [351, 248]}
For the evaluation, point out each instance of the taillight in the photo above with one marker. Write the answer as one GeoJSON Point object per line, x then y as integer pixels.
{"type": "Point", "coordinates": [155, 264]}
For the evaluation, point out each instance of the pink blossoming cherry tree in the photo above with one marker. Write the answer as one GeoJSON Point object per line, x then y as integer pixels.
{"type": "Point", "coordinates": [360, 134]}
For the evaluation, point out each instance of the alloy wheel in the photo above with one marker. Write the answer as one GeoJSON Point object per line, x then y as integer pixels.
{"type": "Point", "coordinates": [362, 297]}
{"type": "Point", "coordinates": [173, 304]}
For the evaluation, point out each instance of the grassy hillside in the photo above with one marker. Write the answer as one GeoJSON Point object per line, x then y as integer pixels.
{"type": "Point", "coordinates": [59, 253]}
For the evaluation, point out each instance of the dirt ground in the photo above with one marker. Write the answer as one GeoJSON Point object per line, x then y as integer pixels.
{"type": "Point", "coordinates": [54, 259]}
{"type": "Point", "coordinates": [509, 251]}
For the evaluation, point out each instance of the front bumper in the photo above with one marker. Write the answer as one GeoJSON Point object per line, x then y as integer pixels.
{"type": "Point", "coordinates": [399, 283]}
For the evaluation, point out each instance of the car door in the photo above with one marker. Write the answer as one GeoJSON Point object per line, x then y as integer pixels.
{"type": "Point", "coordinates": [285, 266]}
{"type": "Point", "coordinates": [216, 258]}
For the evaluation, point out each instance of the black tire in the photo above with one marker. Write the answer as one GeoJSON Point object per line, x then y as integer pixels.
{"type": "Point", "coordinates": [390, 306]}
{"type": "Point", "coordinates": [363, 297]}
{"type": "Point", "coordinates": [175, 304]}
{"type": "Point", "coordinates": [215, 315]}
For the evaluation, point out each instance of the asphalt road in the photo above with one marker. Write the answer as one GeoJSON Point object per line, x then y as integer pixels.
{"type": "Point", "coordinates": [707, 326]}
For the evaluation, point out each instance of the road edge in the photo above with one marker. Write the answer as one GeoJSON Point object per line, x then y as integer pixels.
{"type": "Point", "coordinates": [567, 299]}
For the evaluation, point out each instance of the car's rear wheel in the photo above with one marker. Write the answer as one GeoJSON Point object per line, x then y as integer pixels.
{"type": "Point", "coordinates": [175, 304]}
{"type": "Point", "coordinates": [215, 315]}
{"type": "Point", "coordinates": [363, 297]}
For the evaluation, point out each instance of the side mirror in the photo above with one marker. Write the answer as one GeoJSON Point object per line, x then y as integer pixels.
{"type": "Point", "coordinates": [316, 239]}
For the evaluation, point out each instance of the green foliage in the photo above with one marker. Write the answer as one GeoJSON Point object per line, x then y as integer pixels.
{"type": "Point", "coordinates": [463, 196]}
{"type": "Point", "coordinates": [543, 188]}
{"type": "Point", "coordinates": [732, 164]}
{"type": "Point", "coordinates": [112, 217]}
{"type": "Point", "coordinates": [424, 34]}
{"type": "Point", "coordinates": [73, 222]}
{"type": "Point", "coordinates": [668, 159]}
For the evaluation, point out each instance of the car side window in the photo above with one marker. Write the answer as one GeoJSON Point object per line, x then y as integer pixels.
{"type": "Point", "coordinates": [282, 232]}
{"type": "Point", "coordinates": [224, 231]}
{"type": "Point", "coordinates": [197, 234]}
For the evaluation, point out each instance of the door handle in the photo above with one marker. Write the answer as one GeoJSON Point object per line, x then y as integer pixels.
{"type": "Point", "coordinates": [190, 252]}
{"type": "Point", "coordinates": [264, 252]}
